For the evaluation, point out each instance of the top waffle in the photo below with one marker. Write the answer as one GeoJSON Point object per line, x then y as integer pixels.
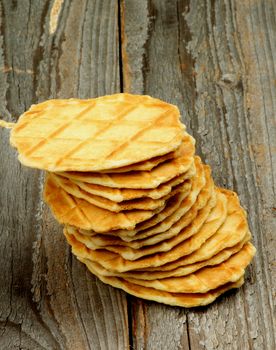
{"type": "Point", "coordinates": [96, 134]}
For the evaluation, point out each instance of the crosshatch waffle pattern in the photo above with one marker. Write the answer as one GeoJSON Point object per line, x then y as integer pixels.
{"type": "Point", "coordinates": [98, 134]}
{"type": "Point", "coordinates": [141, 179]}
{"type": "Point", "coordinates": [140, 209]}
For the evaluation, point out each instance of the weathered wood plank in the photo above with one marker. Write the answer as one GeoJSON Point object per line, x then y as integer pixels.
{"type": "Point", "coordinates": [48, 300]}
{"type": "Point", "coordinates": [151, 66]}
{"type": "Point", "coordinates": [216, 61]}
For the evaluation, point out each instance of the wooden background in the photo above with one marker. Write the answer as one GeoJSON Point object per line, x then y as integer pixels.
{"type": "Point", "coordinates": [217, 61]}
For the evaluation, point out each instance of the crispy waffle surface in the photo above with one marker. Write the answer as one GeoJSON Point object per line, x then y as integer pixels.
{"type": "Point", "coordinates": [124, 194]}
{"type": "Point", "coordinates": [169, 228]}
{"type": "Point", "coordinates": [139, 208]}
{"type": "Point", "coordinates": [150, 163]}
{"type": "Point", "coordinates": [171, 234]}
{"type": "Point", "coordinates": [174, 299]}
{"type": "Point", "coordinates": [96, 134]}
{"type": "Point", "coordinates": [160, 174]}
{"type": "Point", "coordinates": [80, 213]}
{"type": "Point", "coordinates": [181, 270]}
{"type": "Point", "coordinates": [226, 234]}
{"type": "Point", "coordinates": [140, 203]}
{"type": "Point", "coordinates": [175, 207]}
{"type": "Point", "coordinates": [165, 245]}
{"type": "Point", "coordinates": [203, 280]}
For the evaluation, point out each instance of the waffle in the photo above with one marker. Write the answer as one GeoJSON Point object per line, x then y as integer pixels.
{"type": "Point", "coordinates": [96, 134]}
{"type": "Point", "coordinates": [164, 172]}
{"type": "Point", "coordinates": [183, 269]}
{"type": "Point", "coordinates": [115, 262]}
{"type": "Point", "coordinates": [232, 232]}
{"type": "Point", "coordinates": [144, 238]}
{"type": "Point", "coordinates": [139, 209]}
{"type": "Point", "coordinates": [190, 239]}
{"type": "Point", "coordinates": [111, 261]}
{"type": "Point", "coordinates": [207, 278]}
{"type": "Point", "coordinates": [176, 205]}
{"type": "Point", "coordinates": [190, 205]}
{"type": "Point", "coordinates": [140, 203]}
{"type": "Point", "coordinates": [179, 271]}
{"type": "Point", "coordinates": [125, 194]}
{"type": "Point", "coordinates": [77, 212]}
{"type": "Point", "coordinates": [173, 299]}
{"type": "Point", "coordinates": [149, 164]}
{"type": "Point", "coordinates": [129, 253]}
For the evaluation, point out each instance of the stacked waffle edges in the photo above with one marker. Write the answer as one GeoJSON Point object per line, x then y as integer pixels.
{"type": "Point", "coordinates": [158, 228]}
{"type": "Point", "coordinates": [183, 242]}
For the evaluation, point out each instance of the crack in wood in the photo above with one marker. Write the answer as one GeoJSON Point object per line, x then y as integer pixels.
{"type": "Point", "coordinates": [54, 15]}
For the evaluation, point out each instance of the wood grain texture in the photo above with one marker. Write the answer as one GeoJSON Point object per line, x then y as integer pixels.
{"type": "Point", "coordinates": [216, 61]}
{"type": "Point", "coordinates": [48, 300]}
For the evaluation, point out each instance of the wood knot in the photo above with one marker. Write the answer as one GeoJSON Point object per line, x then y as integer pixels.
{"type": "Point", "coordinates": [230, 80]}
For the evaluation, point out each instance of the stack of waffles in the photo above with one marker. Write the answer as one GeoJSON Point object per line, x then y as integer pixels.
{"type": "Point", "coordinates": [139, 209]}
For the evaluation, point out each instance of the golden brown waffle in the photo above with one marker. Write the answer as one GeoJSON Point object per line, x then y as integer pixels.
{"type": "Point", "coordinates": [139, 208]}
{"type": "Point", "coordinates": [233, 231]}
{"type": "Point", "coordinates": [164, 172]}
{"type": "Point", "coordinates": [114, 262]}
{"type": "Point", "coordinates": [144, 238]}
{"type": "Point", "coordinates": [191, 236]}
{"type": "Point", "coordinates": [129, 253]}
{"type": "Point", "coordinates": [99, 241]}
{"type": "Point", "coordinates": [199, 197]}
{"type": "Point", "coordinates": [174, 299]}
{"type": "Point", "coordinates": [173, 204]}
{"type": "Point", "coordinates": [140, 203]}
{"type": "Point", "coordinates": [125, 194]}
{"type": "Point", "coordinates": [77, 212]}
{"type": "Point", "coordinates": [147, 164]}
{"type": "Point", "coordinates": [177, 271]}
{"type": "Point", "coordinates": [97, 134]}
{"type": "Point", "coordinates": [207, 278]}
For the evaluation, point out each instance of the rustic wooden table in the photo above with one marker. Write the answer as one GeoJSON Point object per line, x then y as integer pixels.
{"type": "Point", "coordinates": [216, 60]}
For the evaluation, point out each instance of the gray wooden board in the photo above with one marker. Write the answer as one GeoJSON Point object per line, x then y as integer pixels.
{"type": "Point", "coordinates": [48, 300]}
{"type": "Point", "coordinates": [216, 61]}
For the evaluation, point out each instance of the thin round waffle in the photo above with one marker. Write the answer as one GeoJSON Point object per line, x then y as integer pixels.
{"type": "Point", "coordinates": [140, 203]}
{"type": "Point", "coordinates": [77, 212]}
{"type": "Point", "coordinates": [207, 278]}
{"type": "Point", "coordinates": [124, 194]}
{"type": "Point", "coordinates": [178, 204]}
{"type": "Point", "coordinates": [233, 231]}
{"type": "Point", "coordinates": [198, 198]}
{"type": "Point", "coordinates": [147, 164]}
{"type": "Point", "coordinates": [144, 238]}
{"type": "Point", "coordinates": [177, 271]}
{"type": "Point", "coordinates": [174, 299]}
{"type": "Point", "coordinates": [165, 245]}
{"type": "Point", "coordinates": [139, 208]}
{"type": "Point", "coordinates": [114, 262]}
{"type": "Point", "coordinates": [162, 173]}
{"type": "Point", "coordinates": [191, 237]}
{"type": "Point", "coordinates": [96, 134]}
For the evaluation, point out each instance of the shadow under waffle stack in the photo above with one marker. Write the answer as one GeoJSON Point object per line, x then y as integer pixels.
{"type": "Point", "coordinates": [139, 208]}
